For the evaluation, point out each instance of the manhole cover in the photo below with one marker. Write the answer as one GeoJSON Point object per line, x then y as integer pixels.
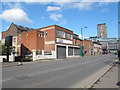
{"type": "Point", "coordinates": [21, 77]}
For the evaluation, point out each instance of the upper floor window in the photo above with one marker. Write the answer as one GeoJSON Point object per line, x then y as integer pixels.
{"type": "Point", "coordinates": [58, 33]}
{"type": "Point", "coordinates": [67, 35]}
{"type": "Point", "coordinates": [27, 35]}
{"type": "Point", "coordinates": [75, 42]}
{"type": "Point", "coordinates": [63, 34]}
{"type": "Point", "coordinates": [14, 40]}
{"type": "Point", "coordinates": [41, 34]}
{"type": "Point", "coordinates": [38, 34]}
{"type": "Point", "coordinates": [71, 37]}
{"type": "Point", "coordinates": [20, 38]}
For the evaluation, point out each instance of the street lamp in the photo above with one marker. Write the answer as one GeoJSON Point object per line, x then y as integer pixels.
{"type": "Point", "coordinates": [82, 39]}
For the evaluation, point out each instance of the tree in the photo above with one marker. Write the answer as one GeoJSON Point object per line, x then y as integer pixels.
{"type": "Point", "coordinates": [4, 49]}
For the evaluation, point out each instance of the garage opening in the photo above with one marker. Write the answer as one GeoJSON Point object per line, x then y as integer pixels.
{"type": "Point", "coordinates": [61, 52]}
{"type": "Point", "coordinates": [76, 51]}
{"type": "Point", "coordinates": [70, 51]}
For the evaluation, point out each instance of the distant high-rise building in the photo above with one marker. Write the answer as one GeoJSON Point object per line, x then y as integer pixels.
{"type": "Point", "coordinates": [102, 30]}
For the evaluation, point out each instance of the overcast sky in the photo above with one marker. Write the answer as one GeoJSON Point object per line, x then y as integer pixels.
{"type": "Point", "coordinates": [72, 15]}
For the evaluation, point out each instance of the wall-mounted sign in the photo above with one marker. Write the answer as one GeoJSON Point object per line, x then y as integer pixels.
{"type": "Point", "coordinates": [64, 41]}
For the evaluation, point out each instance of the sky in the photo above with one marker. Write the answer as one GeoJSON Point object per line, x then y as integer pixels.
{"type": "Point", "coordinates": [70, 15]}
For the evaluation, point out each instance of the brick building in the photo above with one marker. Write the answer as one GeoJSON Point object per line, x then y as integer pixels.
{"type": "Point", "coordinates": [102, 30]}
{"type": "Point", "coordinates": [49, 39]}
{"type": "Point", "coordinates": [32, 40]}
{"type": "Point", "coordinates": [15, 31]}
{"type": "Point", "coordinates": [88, 47]}
{"type": "Point", "coordinates": [59, 39]}
{"type": "Point", "coordinates": [97, 48]}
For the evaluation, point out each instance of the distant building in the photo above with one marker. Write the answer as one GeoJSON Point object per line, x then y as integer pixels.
{"type": "Point", "coordinates": [108, 44]}
{"type": "Point", "coordinates": [88, 47]}
{"type": "Point", "coordinates": [102, 30]}
{"type": "Point", "coordinates": [97, 48]}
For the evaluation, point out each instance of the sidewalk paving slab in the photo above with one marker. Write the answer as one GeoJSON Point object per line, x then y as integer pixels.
{"type": "Point", "coordinates": [109, 80]}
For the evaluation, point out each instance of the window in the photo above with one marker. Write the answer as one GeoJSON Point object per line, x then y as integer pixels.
{"type": "Point", "coordinates": [38, 34]}
{"type": "Point", "coordinates": [41, 34]}
{"type": "Point", "coordinates": [20, 38]}
{"type": "Point", "coordinates": [63, 34]}
{"type": "Point", "coordinates": [71, 36]}
{"type": "Point", "coordinates": [14, 40]}
{"type": "Point", "coordinates": [27, 35]}
{"type": "Point", "coordinates": [67, 35]}
{"type": "Point", "coordinates": [58, 33]}
{"type": "Point", "coordinates": [75, 42]}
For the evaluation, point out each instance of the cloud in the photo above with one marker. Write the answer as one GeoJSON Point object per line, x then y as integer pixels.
{"type": "Point", "coordinates": [40, 0]}
{"type": "Point", "coordinates": [81, 36]}
{"type": "Point", "coordinates": [105, 10]}
{"type": "Point", "coordinates": [42, 17]}
{"type": "Point", "coordinates": [8, 27]}
{"type": "Point", "coordinates": [55, 16]}
{"type": "Point", "coordinates": [63, 22]}
{"type": "Point", "coordinates": [60, 0]}
{"type": "Point", "coordinates": [50, 8]}
{"type": "Point", "coordinates": [83, 5]}
{"type": "Point", "coordinates": [13, 5]}
{"type": "Point", "coordinates": [15, 15]}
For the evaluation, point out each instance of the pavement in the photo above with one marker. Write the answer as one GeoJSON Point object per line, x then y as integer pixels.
{"type": "Point", "coordinates": [109, 80]}
{"type": "Point", "coordinates": [11, 64]}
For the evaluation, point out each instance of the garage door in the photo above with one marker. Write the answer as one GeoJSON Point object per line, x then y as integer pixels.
{"type": "Point", "coordinates": [77, 51]}
{"type": "Point", "coordinates": [61, 52]}
{"type": "Point", "coordinates": [70, 51]}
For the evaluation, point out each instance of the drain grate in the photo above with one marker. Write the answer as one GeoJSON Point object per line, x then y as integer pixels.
{"type": "Point", "coordinates": [21, 77]}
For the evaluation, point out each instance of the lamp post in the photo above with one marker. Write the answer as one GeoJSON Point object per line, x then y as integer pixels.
{"type": "Point", "coordinates": [82, 39]}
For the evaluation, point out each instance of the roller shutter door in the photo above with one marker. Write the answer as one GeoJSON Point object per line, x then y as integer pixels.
{"type": "Point", "coordinates": [61, 52]}
{"type": "Point", "coordinates": [70, 51]}
{"type": "Point", "coordinates": [76, 51]}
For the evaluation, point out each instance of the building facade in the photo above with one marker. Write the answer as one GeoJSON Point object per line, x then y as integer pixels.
{"type": "Point", "coordinates": [97, 48]}
{"type": "Point", "coordinates": [88, 47]}
{"type": "Point", "coordinates": [102, 30]}
{"type": "Point", "coordinates": [15, 31]}
{"type": "Point", "coordinates": [48, 39]}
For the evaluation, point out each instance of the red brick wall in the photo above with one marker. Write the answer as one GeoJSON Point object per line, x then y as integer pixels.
{"type": "Point", "coordinates": [33, 42]}
{"type": "Point", "coordinates": [79, 42]}
{"type": "Point", "coordinates": [50, 36]}
{"type": "Point", "coordinates": [88, 45]}
{"type": "Point", "coordinates": [50, 47]}
{"type": "Point", "coordinates": [40, 42]}
{"type": "Point", "coordinates": [11, 31]}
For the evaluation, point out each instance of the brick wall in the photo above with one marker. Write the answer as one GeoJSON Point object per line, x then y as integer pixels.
{"type": "Point", "coordinates": [77, 42]}
{"type": "Point", "coordinates": [32, 42]}
{"type": "Point", "coordinates": [11, 31]}
{"type": "Point", "coordinates": [88, 46]}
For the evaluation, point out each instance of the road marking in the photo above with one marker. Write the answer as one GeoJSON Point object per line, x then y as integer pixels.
{"type": "Point", "coordinates": [5, 80]}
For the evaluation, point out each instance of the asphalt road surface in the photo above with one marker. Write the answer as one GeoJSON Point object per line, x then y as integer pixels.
{"type": "Point", "coordinates": [54, 74]}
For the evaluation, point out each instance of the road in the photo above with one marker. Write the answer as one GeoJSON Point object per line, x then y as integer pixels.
{"type": "Point", "coordinates": [54, 74]}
